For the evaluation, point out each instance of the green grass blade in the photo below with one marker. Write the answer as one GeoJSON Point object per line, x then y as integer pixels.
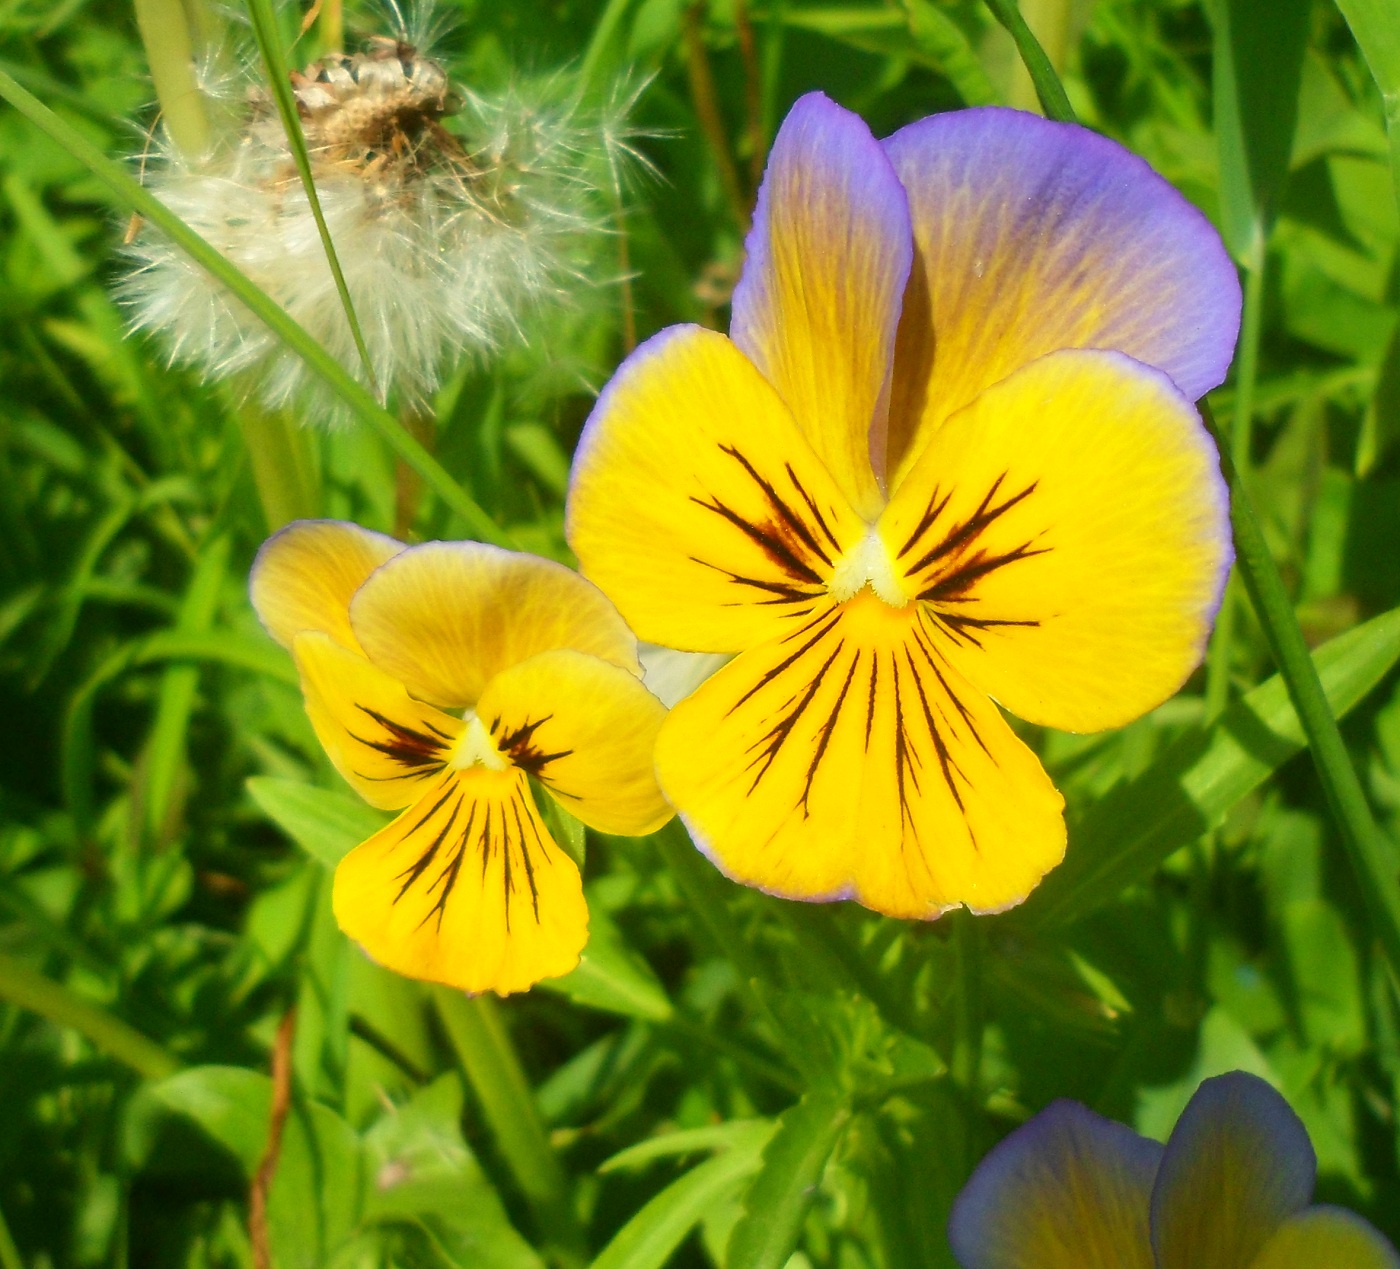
{"type": "Point", "coordinates": [1047, 83]}
{"type": "Point", "coordinates": [270, 46]}
{"type": "Point", "coordinates": [1373, 856]}
{"type": "Point", "coordinates": [1376, 26]}
{"type": "Point", "coordinates": [30, 990]}
{"type": "Point", "coordinates": [1191, 786]}
{"type": "Point", "coordinates": [132, 194]}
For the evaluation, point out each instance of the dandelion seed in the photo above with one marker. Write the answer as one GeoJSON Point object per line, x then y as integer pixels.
{"type": "Point", "coordinates": [456, 215]}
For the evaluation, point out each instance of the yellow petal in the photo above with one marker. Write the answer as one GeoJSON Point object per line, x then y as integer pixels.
{"type": "Point", "coordinates": [1327, 1238]}
{"type": "Point", "coordinates": [386, 744]}
{"type": "Point", "coordinates": [697, 505]}
{"type": "Point", "coordinates": [849, 760]}
{"type": "Point", "coordinates": [1069, 531]}
{"type": "Point", "coordinates": [818, 304]}
{"type": "Point", "coordinates": [466, 888]}
{"type": "Point", "coordinates": [587, 731]}
{"type": "Point", "coordinates": [445, 617]}
{"type": "Point", "coordinates": [305, 574]}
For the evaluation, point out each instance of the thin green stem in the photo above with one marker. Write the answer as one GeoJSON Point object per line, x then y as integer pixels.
{"type": "Point", "coordinates": [967, 1044]}
{"type": "Point", "coordinates": [165, 32]}
{"type": "Point", "coordinates": [270, 45]}
{"type": "Point", "coordinates": [282, 455]}
{"type": "Point", "coordinates": [1048, 88]}
{"type": "Point", "coordinates": [483, 1046]}
{"type": "Point", "coordinates": [261, 305]}
{"type": "Point", "coordinates": [1241, 440]}
{"type": "Point", "coordinates": [1372, 855]}
{"type": "Point", "coordinates": [30, 990]}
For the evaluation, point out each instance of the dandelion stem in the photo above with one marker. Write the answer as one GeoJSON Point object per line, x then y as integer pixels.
{"type": "Point", "coordinates": [1048, 87]}
{"type": "Point", "coordinates": [333, 26]}
{"type": "Point", "coordinates": [31, 990]}
{"type": "Point", "coordinates": [265, 30]}
{"type": "Point", "coordinates": [1373, 856]}
{"type": "Point", "coordinates": [283, 457]}
{"type": "Point", "coordinates": [165, 32]}
{"type": "Point", "coordinates": [706, 102]}
{"type": "Point", "coordinates": [261, 305]}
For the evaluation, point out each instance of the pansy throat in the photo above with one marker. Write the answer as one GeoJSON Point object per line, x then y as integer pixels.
{"type": "Point", "coordinates": [946, 457]}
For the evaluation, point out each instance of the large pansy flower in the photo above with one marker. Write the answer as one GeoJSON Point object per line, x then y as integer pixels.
{"type": "Point", "coordinates": [441, 679]}
{"type": "Point", "coordinates": [1230, 1190]}
{"type": "Point", "coordinates": [948, 455]}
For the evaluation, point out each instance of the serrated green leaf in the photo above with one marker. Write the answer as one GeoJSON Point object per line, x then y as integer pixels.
{"type": "Point", "coordinates": [781, 1193]}
{"type": "Point", "coordinates": [649, 1238]}
{"type": "Point", "coordinates": [1189, 789]}
{"type": "Point", "coordinates": [325, 824]}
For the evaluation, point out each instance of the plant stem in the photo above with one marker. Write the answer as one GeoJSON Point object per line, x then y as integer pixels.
{"type": "Point", "coordinates": [1372, 855]}
{"type": "Point", "coordinates": [706, 101]}
{"type": "Point", "coordinates": [282, 455]}
{"type": "Point", "coordinates": [483, 1046]}
{"type": "Point", "coordinates": [165, 32]}
{"type": "Point", "coordinates": [30, 990]}
{"type": "Point", "coordinates": [967, 1046]}
{"type": "Point", "coordinates": [1240, 441]}
{"type": "Point", "coordinates": [1047, 83]}
{"type": "Point", "coordinates": [261, 305]}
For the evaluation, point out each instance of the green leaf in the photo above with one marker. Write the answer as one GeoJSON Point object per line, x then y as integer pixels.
{"type": "Point", "coordinates": [733, 1132]}
{"type": "Point", "coordinates": [420, 1172]}
{"type": "Point", "coordinates": [653, 1234]}
{"type": "Point", "coordinates": [612, 977]}
{"type": "Point", "coordinates": [1257, 67]}
{"type": "Point", "coordinates": [314, 1201]}
{"type": "Point", "coordinates": [781, 1193]}
{"type": "Point", "coordinates": [1189, 789]}
{"type": "Point", "coordinates": [938, 36]}
{"type": "Point", "coordinates": [326, 825]}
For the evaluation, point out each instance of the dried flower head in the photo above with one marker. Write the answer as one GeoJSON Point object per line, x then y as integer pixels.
{"type": "Point", "coordinates": [454, 214]}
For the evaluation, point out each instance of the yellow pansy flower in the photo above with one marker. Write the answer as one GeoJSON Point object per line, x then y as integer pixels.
{"type": "Point", "coordinates": [441, 679]}
{"type": "Point", "coordinates": [946, 458]}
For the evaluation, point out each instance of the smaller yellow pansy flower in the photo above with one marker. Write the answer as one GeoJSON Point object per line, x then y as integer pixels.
{"type": "Point", "coordinates": [440, 678]}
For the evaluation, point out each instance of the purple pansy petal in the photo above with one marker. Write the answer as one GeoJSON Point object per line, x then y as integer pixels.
{"type": "Point", "coordinates": [1327, 1238]}
{"type": "Point", "coordinates": [1068, 1190]}
{"type": "Point", "coordinates": [1238, 1164]}
{"type": "Point", "coordinates": [1035, 236]}
{"type": "Point", "coordinates": [818, 303]}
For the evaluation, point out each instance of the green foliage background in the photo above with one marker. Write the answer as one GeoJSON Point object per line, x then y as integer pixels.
{"type": "Point", "coordinates": [728, 1079]}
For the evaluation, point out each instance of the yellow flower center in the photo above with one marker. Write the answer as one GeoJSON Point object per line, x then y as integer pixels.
{"type": "Point", "coordinates": [475, 748]}
{"type": "Point", "coordinates": [868, 563]}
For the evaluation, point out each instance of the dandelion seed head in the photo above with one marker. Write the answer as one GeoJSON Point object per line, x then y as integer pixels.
{"type": "Point", "coordinates": [458, 216]}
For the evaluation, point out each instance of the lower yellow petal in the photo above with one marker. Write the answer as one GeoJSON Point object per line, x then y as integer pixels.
{"type": "Point", "coordinates": [586, 730]}
{"type": "Point", "coordinates": [386, 744]}
{"type": "Point", "coordinates": [850, 760]}
{"type": "Point", "coordinates": [466, 888]}
{"type": "Point", "coordinates": [1069, 529]}
{"type": "Point", "coordinates": [305, 575]}
{"type": "Point", "coordinates": [1327, 1238]}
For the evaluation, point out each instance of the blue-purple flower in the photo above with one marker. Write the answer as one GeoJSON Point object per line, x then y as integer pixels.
{"type": "Point", "coordinates": [1231, 1189]}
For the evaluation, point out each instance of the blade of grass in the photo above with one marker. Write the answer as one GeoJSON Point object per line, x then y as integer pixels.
{"type": "Point", "coordinates": [1047, 83]}
{"type": "Point", "coordinates": [270, 46]}
{"type": "Point", "coordinates": [131, 193]}
{"type": "Point", "coordinates": [1372, 856]}
{"type": "Point", "coordinates": [31, 990]}
{"type": "Point", "coordinates": [1376, 26]}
